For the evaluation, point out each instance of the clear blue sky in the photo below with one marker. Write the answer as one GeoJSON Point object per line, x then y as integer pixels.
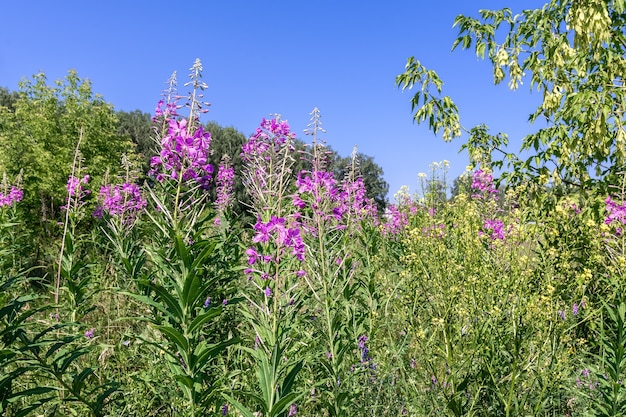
{"type": "Point", "coordinates": [287, 57]}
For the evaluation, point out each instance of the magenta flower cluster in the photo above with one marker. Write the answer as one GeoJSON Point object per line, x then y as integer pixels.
{"type": "Point", "coordinates": [75, 191]}
{"type": "Point", "coordinates": [270, 136]}
{"type": "Point", "coordinates": [166, 110]}
{"type": "Point", "coordinates": [75, 186]}
{"type": "Point", "coordinates": [494, 229]}
{"type": "Point", "coordinates": [122, 200]}
{"type": "Point", "coordinates": [284, 236]}
{"type": "Point", "coordinates": [616, 214]}
{"type": "Point", "coordinates": [482, 184]}
{"type": "Point", "coordinates": [397, 220]}
{"type": "Point", "coordinates": [14, 195]}
{"type": "Point", "coordinates": [224, 186]}
{"type": "Point", "coordinates": [184, 153]}
{"type": "Point", "coordinates": [318, 190]}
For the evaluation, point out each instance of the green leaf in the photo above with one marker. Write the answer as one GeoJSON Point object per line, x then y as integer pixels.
{"type": "Point", "coordinates": [175, 337]}
{"type": "Point", "coordinates": [202, 318]}
{"type": "Point", "coordinates": [203, 353]}
{"type": "Point", "coordinates": [240, 407]}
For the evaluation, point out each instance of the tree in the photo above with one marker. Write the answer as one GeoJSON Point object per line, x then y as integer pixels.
{"type": "Point", "coordinates": [137, 126]}
{"type": "Point", "coordinates": [8, 98]}
{"type": "Point", "coordinates": [39, 136]}
{"type": "Point", "coordinates": [573, 52]}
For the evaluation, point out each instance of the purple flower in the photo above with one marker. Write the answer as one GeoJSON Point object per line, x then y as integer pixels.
{"type": "Point", "coordinates": [184, 154]}
{"type": "Point", "coordinates": [494, 229]}
{"type": "Point", "coordinates": [293, 410]}
{"type": "Point", "coordinates": [224, 409]}
{"type": "Point", "coordinates": [224, 184]}
{"type": "Point", "coordinates": [575, 309]}
{"type": "Point", "coordinates": [396, 220]}
{"type": "Point", "coordinates": [268, 292]}
{"type": "Point", "coordinates": [269, 137]}
{"type": "Point", "coordinates": [14, 195]}
{"type": "Point", "coordinates": [482, 182]}
{"type": "Point", "coordinates": [252, 255]}
{"type": "Point", "coordinates": [207, 302]}
{"type": "Point", "coordinates": [561, 314]}
{"type": "Point", "coordinates": [122, 200]}
{"type": "Point", "coordinates": [616, 214]}
{"type": "Point", "coordinates": [362, 340]}
{"type": "Point", "coordinates": [89, 333]}
{"type": "Point", "coordinates": [74, 187]}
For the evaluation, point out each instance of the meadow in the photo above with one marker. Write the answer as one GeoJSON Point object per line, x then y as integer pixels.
{"type": "Point", "coordinates": [159, 301]}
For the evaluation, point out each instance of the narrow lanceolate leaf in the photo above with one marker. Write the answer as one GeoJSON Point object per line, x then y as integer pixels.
{"type": "Point", "coordinates": [152, 303]}
{"type": "Point", "coordinates": [192, 290]}
{"type": "Point", "coordinates": [245, 412]}
{"type": "Point", "coordinates": [203, 353]}
{"type": "Point", "coordinates": [175, 337]}
{"type": "Point", "coordinates": [203, 318]}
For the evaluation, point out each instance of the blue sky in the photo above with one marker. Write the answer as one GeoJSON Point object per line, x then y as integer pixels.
{"type": "Point", "coordinates": [285, 57]}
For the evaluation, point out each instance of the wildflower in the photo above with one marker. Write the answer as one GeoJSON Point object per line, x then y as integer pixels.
{"type": "Point", "coordinates": [561, 314]}
{"type": "Point", "coordinates": [14, 195]}
{"type": "Point", "coordinates": [268, 292]}
{"type": "Point", "coordinates": [494, 229]}
{"type": "Point", "coordinates": [184, 154]}
{"type": "Point", "coordinates": [616, 214]}
{"type": "Point", "coordinates": [89, 333]}
{"type": "Point", "coordinates": [575, 309]}
{"type": "Point", "coordinates": [482, 183]}
{"type": "Point", "coordinates": [74, 187]}
{"type": "Point", "coordinates": [207, 302]}
{"type": "Point", "coordinates": [396, 220]}
{"type": "Point", "coordinates": [293, 410]}
{"type": "Point", "coordinates": [224, 184]}
{"type": "Point", "coordinates": [269, 136]}
{"type": "Point", "coordinates": [252, 255]}
{"type": "Point", "coordinates": [122, 200]}
{"type": "Point", "coordinates": [224, 302]}
{"type": "Point", "coordinates": [224, 409]}
{"type": "Point", "coordinates": [362, 340]}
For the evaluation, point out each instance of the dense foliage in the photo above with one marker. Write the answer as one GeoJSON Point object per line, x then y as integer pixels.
{"type": "Point", "coordinates": [159, 296]}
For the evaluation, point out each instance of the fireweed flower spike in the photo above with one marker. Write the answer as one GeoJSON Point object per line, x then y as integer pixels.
{"type": "Point", "coordinates": [14, 195]}
{"type": "Point", "coordinates": [482, 184]}
{"type": "Point", "coordinates": [616, 214]}
{"type": "Point", "coordinates": [75, 191]}
{"type": "Point", "coordinates": [224, 184]}
{"type": "Point", "coordinates": [123, 200]}
{"type": "Point", "coordinates": [184, 154]}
